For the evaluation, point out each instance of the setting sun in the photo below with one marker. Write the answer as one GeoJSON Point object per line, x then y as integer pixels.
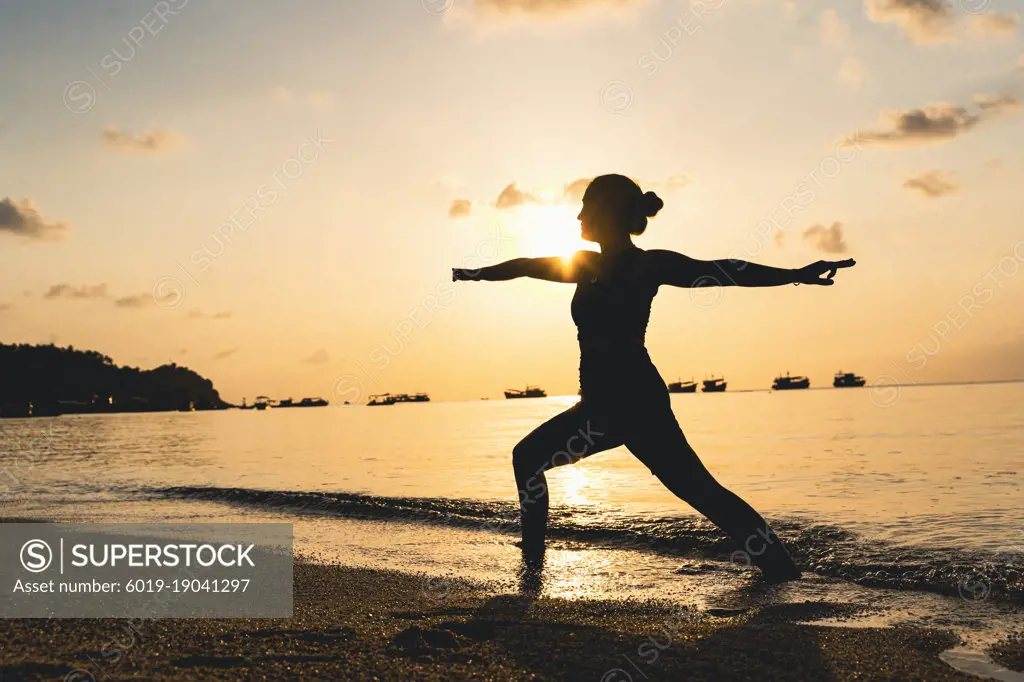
{"type": "Point", "coordinates": [550, 231]}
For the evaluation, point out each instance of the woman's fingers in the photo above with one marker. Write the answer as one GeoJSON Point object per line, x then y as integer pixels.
{"type": "Point", "coordinates": [822, 271]}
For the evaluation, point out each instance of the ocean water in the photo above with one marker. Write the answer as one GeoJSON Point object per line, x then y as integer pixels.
{"type": "Point", "coordinates": [905, 502]}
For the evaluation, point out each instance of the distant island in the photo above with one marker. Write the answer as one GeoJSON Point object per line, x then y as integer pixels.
{"type": "Point", "coordinates": [47, 380]}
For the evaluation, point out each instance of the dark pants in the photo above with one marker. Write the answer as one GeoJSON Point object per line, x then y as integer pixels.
{"type": "Point", "coordinates": [646, 425]}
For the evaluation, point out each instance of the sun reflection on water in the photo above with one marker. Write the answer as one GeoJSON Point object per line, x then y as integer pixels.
{"type": "Point", "coordinates": [576, 485]}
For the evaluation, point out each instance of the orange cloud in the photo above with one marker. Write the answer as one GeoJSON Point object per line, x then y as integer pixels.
{"type": "Point", "coordinates": [153, 141]}
{"type": "Point", "coordinates": [935, 122]}
{"type": "Point", "coordinates": [924, 21]}
{"type": "Point", "coordinates": [828, 239]}
{"type": "Point", "coordinates": [932, 184]}
{"type": "Point", "coordinates": [460, 208]}
{"type": "Point", "coordinates": [23, 219]}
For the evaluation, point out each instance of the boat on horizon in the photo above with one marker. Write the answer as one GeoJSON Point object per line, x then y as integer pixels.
{"type": "Point", "coordinates": [262, 402]}
{"type": "Point", "coordinates": [788, 383]}
{"type": "Point", "coordinates": [414, 398]}
{"type": "Point", "coordinates": [305, 402]}
{"type": "Point", "coordinates": [246, 406]}
{"type": "Point", "coordinates": [714, 385]}
{"type": "Point", "coordinates": [847, 379]}
{"type": "Point", "coordinates": [529, 392]}
{"type": "Point", "coordinates": [683, 386]}
{"type": "Point", "coordinates": [381, 399]}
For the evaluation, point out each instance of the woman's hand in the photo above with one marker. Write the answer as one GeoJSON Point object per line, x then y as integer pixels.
{"type": "Point", "coordinates": [812, 274]}
{"type": "Point", "coordinates": [464, 275]}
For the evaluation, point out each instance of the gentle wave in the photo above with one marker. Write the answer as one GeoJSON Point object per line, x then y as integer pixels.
{"type": "Point", "coordinates": [823, 549]}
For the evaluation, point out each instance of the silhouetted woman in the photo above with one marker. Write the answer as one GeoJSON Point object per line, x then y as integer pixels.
{"type": "Point", "coordinates": [623, 398]}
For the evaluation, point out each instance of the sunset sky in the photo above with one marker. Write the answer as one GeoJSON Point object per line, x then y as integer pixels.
{"type": "Point", "coordinates": [274, 194]}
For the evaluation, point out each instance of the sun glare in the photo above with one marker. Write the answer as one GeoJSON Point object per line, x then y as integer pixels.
{"type": "Point", "coordinates": [550, 231]}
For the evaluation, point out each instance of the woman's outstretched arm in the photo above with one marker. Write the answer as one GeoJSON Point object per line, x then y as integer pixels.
{"type": "Point", "coordinates": [553, 269]}
{"type": "Point", "coordinates": [675, 269]}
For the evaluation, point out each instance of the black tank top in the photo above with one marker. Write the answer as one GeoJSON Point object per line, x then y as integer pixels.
{"type": "Point", "coordinates": [611, 308]}
{"type": "Point", "coordinates": [612, 303]}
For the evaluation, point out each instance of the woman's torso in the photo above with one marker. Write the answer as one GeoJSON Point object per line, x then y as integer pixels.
{"type": "Point", "coordinates": [611, 309]}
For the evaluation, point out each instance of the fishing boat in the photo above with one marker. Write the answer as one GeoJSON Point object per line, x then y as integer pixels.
{"type": "Point", "coordinates": [847, 379]}
{"type": "Point", "coordinates": [381, 399]}
{"type": "Point", "coordinates": [246, 406]}
{"type": "Point", "coordinates": [305, 402]}
{"type": "Point", "coordinates": [714, 385]}
{"type": "Point", "coordinates": [262, 402]}
{"type": "Point", "coordinates": [788, 383]}
{"type": "Point", "coordinates": [529, 392]}
{"type": "Point", "coordinates": [683, 386]}
{"type": "Point", "coordinates": [414, 398]}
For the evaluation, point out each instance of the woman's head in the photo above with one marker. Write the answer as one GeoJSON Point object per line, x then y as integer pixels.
{"type": "Point", "coordinates": [614, 206]}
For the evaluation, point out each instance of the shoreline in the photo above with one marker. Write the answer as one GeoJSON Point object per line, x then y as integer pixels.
{"type": "Point", "coordinates": [354, 623]}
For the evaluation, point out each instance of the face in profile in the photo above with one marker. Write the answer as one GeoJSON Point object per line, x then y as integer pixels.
{"type": "Point", "coordinates": [593, 219]}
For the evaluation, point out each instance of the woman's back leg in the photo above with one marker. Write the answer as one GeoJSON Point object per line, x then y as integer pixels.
{"type": "Point", "coordinates": [659, 443]}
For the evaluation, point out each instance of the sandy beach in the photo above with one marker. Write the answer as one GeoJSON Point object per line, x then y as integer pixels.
{"type": "Point", "coordinates": [359, 624]}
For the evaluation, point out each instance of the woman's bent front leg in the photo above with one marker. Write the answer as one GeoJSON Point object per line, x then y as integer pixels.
{"type": "Point", "coordinates": [564, 439]}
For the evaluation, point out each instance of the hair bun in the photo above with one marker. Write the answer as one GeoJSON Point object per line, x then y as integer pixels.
{"type": "Point", "coordinates": [650, 204]}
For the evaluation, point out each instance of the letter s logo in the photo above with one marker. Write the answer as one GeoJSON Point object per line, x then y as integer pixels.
{"type": "Point", "coordinates": [36, 556]}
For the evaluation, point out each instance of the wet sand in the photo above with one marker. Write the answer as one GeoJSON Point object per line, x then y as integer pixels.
{"type": "Point", "coordinates": [356, 624]}
{"type": "Point", "coordinates": [1010, 652]}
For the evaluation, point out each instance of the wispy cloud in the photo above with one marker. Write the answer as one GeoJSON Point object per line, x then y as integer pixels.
{"type": "Point", "coordinates": [935, 122]}
{"type": "Point", "coordinates": [828, 239]}
{"type": "Point", "coordinates": [546, 8]}
{"type": "Point", "coordinates": [134, 301]}
{"type": "Point", "coordinates": [994, 25]}
{"type": "Point", "coordinates": [923, 21]}
{"type": "Point", "coordinates": [101, 291]}
{"type": "Point", "coordinates": [224, 354]}
{"type": "Point", "coordinates": [512, 196]}
{"type": "Point", "coordinates": [460, 208]}
{"type": "Point", "coordinates": [82, 292]}
{"type": "Point", "coordinates": [574, 190]}
{"type": "Point", "coordinates": [153, 141]}
{"type": "Point", "coordinates": [319, 357]}
{"type": "Point", "coordinates": [200, 315]}
{"type": "Point", "coordinates": [23, 219]}
{"type": "Point", "coordinates": [997, 104]}
{"type": "Point", "coordinates": [4, 307]}
{"type": "Point", "coordinates": [932, 184]}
